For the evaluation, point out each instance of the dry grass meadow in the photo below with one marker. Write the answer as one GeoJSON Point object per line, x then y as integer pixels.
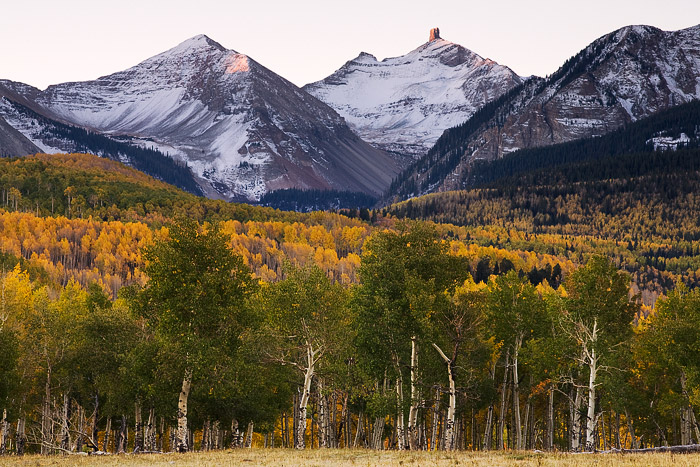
{"type": "Point", "coordinates": [341, 457]}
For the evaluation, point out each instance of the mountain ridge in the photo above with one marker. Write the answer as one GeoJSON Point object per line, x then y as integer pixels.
{"type": "Point", "coordinates": [403, 104]}
{"type": "Point", "coordinates": [618, 78]}
{"type": "Point", "coordinates": [241, 128]}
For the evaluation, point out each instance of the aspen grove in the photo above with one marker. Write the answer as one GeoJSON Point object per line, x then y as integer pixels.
{"type": "Point", "coordinates": [419, 351]}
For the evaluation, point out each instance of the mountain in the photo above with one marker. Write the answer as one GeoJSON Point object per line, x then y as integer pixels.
{"type": "Point", "coordinates": [13, 142]}
{"type": "Point", "coordinates": [619, 78]}
{"type": "Point", "coordinates": [403, 104]}
{"type": "Point", "coordinates": [242, 129]}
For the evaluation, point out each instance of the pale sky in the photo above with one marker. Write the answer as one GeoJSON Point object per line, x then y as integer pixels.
{"type": "Point", "coordinates": [51, 41]}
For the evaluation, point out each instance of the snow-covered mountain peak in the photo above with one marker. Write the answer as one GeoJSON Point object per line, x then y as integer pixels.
{"type": "Point", "coordinates": [195, 44]}
{"type": "Point", "coordinates": [619, 78]}
{"type": "Point", "coordinates": [242, 129]}
{"type": "Point", "coordinates": [403, 104]}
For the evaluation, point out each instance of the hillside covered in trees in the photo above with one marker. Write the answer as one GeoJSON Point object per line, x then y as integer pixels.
{"type": "Point", "coordinates": [134, 316]}
{"type": "Point", "coordinates": [642, 206]}
{"type": "Point", "coordinates": [636, 137]}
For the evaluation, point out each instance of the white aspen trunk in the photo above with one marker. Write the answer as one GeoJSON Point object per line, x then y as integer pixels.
{"type": "Point", "coordinates": [182, 437]}
{"type": "Point", "coordinates": [436, 419]}
{"type": "Point", "coordinates": [333, 413]}
{"type": "Point", "coordinates": [65, 433]}
{"type": "Point", "coordinates": [400, 427]}
{"type": "Point", "coordinates": [161, 434]}
{"type": "Point", "coordinates": [249, 435]}
{"type": "Point", "coordinates": [20, 437]}
{"type": "Point", "coordinates": [344, 417]}
{"type": "Point", "coordinates": [526, 427]}
{"type": "Point", "coordinates": [488, 431]}
{"type": "Point", "coordinates": [593, 370]}
{"type": "Point", "coordinates": [683, 426]}
{"type": "Point", "coordinates": [304, 399]}
{"type": "Point", "coordinates": [93, 424]}
{"type": "Point", "coordinates": [691, 413]}
{"type": "Point", "coordinates": [218, 435]}
{"type": "Point", "coordinates": [108, 431]}
{"type": "Point", "coordinates": [516, 396]}
{"type": "Point", "coordinates": [694, 423]}
{"type": "Point", "coordinates": [442, 430]}
{"type": "Point", "coordinates": [575, 420]}
{"type": "Point", "coordinates": [138, 428]}
{"type": "Point", "coordinates": [530, 435]}
{"type": "Point", "coordinates": [348, 422]}
{"type": "Point", "coordinates": [322, 429]}
{"type": "Point", "coordinates": [46, 422]}
{"type": "Point", "coordinates": [449, 429]}
{"type": "Point", "coordinates": [358, 430]}
{"type": "Point", "coordinates": [5, 432]}
{"type": "Point", "coordinates": [451, 409]}
{"type": "Point", "coordinates": [205, 435]}
{"type": "Point", "coordinates": [549, 443]}
{"type": "Point", "coordinates": [234, 434]}
{"type": "Point", "coordinates": [415, 398]}
{"type": "Point", "coordinates": [81, 427]}
{"type": "Point", "coordinates": [630, 427]}
{"type": "Point", "coordinates": [149, 436]}
{"type": "Point", "coordinates": [502, 413]}
{"type": "Point", "coordinates": [121, 436]}
{"type": "Point", "coordinates": [378, 433]}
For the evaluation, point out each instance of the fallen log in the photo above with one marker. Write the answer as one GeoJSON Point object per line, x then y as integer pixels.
{"type": "Point", "coordinates": [681, 449]}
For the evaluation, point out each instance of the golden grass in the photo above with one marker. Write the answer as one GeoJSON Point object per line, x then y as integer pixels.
{"type": "Point", "coordinates": [341, 457]}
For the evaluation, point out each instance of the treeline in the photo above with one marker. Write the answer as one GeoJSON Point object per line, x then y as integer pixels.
{"type": "Point", "coordinates": [445, 155]}
{"type": "Point", "coordinates": [293, 199]}
{"type": "Point", "coordinates": [642, 206]}
{"type": "Point", "coordinates": [114, 210]}
{"type": "Point", "coordinates": [147, 160]}
{"type": "Point", "coordinates": [630, 139]}
{"type": "Point", "coordinates": [448, 151]}
{"type": "Point", "coordinates": [649, 196]}
{"type": "Point", "coordinates": [108, 190]}
{"type": "Point", "coordinates": [418, 355]}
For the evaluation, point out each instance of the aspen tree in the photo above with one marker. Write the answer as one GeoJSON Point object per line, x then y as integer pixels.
{"type": "Point", "coordinates": [195, 299]}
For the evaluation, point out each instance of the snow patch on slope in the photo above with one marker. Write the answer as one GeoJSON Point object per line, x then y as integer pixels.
{"type": "Point", "coordinates": [404, 103]}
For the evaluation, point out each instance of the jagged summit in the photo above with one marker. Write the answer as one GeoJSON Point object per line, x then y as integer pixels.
{"type": "Point", "coordinates": [403, 104]}
{"type": "Point", "coordinates": [619, 78]}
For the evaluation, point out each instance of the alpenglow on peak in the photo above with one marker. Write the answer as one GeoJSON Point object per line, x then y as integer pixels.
{"type": "Point", "coordinates": [434, 34]}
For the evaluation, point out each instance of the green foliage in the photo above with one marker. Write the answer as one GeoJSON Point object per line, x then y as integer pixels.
{"type": "Point", "coordinates": [304, 309]}
{"type": "Point", "coordinates": [403, 277]}
{"type": "Point", "coordinates": [84, 185]}
{"type": "Point", "coordinates": [515, 312]}
{"type": "Point", "coordinates": [9, 359]}
{"type": "Point", "coordinates": [599, 292]}
{"type": "Point", "coordinates": [196, 293]}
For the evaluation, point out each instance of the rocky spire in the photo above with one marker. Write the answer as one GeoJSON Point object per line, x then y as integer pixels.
{"type": "Point", "coordinates": [434, 34]}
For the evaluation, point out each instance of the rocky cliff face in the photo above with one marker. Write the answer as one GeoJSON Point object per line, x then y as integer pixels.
{"type": "Point", "coordinates": [13, 142]}
{"type": "Point", "coordinates": [621, 77]}
{"type": "Point", "coordinates": [403, 104]}
{"type": "Point", "coordinates": [241, 128]}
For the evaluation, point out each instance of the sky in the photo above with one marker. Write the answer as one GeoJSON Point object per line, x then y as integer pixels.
{"type": "Point", "coordinates": [52, 41]}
